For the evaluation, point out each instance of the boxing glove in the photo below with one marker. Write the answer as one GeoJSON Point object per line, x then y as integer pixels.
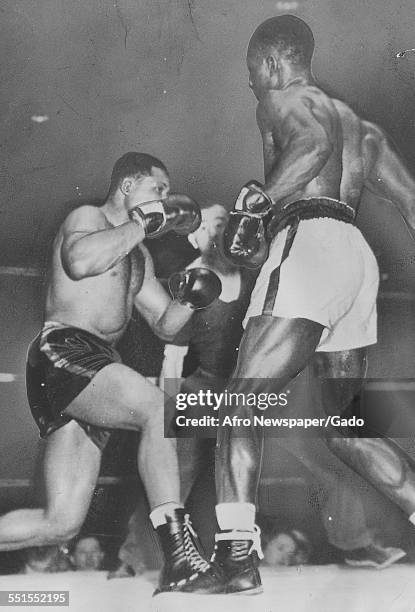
{"type": "Point", "coordinates": [197, 287]}
{"type": "Point", "coordinates": [244, 240]}
{"type": "Point", "coordinates": [177, 212]}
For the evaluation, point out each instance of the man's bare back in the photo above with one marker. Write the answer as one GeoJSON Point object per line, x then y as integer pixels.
{"type": "Point", "coordinates": [302, 143]}
{"type": "Point", "coordinates": [101, 304]}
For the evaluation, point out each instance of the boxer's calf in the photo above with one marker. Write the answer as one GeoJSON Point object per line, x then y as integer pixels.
{"type": "Point", "coordinates": [383, 463]}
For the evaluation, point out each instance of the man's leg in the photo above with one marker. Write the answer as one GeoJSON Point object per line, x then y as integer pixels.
{"type": "Point", "coordinates": [190, 456]}
{"type": "Point", "coordinates": [120, 398]}
{"type": "Point", "coordinates": [71, 467]}
{"type": "Point", "coordinates": [376, 459]}
{"type": "Point", "coordinates": [272, 352]}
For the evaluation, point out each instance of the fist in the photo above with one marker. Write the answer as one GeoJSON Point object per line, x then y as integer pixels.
{"type": "Point", "coordinates": [177, 213]}
{"type": "Point", "coordinates": [252, 198]}
{"type": "Point", "coordinates": [196, 288]}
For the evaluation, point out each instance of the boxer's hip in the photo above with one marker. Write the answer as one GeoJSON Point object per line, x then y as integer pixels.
{"type": "Point", "coordinates": [310, 208]}
{"type": "Point", "coordinates": [328, 274]}
{"type": "Point", "coordinates": [75, 350]}
{"type": "Point", "coordinates": [61, 362]}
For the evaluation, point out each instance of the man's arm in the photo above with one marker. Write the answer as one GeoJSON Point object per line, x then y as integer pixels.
{"type": "Point", "coordinates": [165, 316]}
{"type": "Point", "coordinates": [303, 141]}
{"type": "Point", "coordinates": [386, 173]}
{"type": "Point", "coordinates": [90, 247]}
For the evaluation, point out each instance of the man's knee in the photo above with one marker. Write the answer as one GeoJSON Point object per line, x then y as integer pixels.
{"type": "Point", "coordinates": [63, 526]}
{"type": "Point", "coordinates": [339, 444]}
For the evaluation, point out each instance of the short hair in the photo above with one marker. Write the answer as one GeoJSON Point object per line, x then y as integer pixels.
{"type": "Point", "coordinates": [133, 164]}
{"type": "Point", "coordinates": [287, 34]}
{"type": "Point", "coordinates": [79, 538]}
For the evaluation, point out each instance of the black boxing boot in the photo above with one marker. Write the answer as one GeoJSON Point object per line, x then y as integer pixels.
{"type": "Point", "coordinates": [185, 569]}
{"type": "Point", "coordinates": [237, 554]}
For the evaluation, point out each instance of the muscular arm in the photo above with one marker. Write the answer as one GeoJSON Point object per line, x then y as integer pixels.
{"type": "Point", "coordinates": [302, 140]}
{"type": "Point", "coordinates": [90, 247]}
{"type": "Point", "coordinates": [165, 317]}
{"type": "Point", "coordinates": [386, 173]}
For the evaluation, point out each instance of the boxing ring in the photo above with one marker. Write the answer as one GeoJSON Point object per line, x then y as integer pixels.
{"type": "Point", "coordinates": [329, 588]}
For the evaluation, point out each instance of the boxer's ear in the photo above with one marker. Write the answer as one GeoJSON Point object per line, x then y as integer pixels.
{"type": "Point", "coordinates": [272, 64]}
{"type": "Point", "coordinates": [126, 185]}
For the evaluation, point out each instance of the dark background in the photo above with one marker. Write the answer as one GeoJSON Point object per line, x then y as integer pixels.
{"type": "Point", "coordinates": [168, 77]}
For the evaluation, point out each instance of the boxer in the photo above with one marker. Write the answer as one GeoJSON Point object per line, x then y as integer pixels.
{"type": "Point", "coordinates": [210, 341]}
{"type": "Point", "coordinates": [314, 301]}
{"type": "Point", "coordinates": [79, 390]}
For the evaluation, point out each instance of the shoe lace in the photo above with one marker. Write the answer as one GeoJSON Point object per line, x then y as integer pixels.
{"type": "Point", "coordinates": [239, 540]}
{"type": "Point", "coordinates": [197, 562]}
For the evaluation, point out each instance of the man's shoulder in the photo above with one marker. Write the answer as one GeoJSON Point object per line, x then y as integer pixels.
{"type": "Point", "coordinates": [374, 130]}
{"type": "Point", "coordinates": [86, 210]}
{"type": "Point", "coordinates": [280, 101]}
{"type": "Point", "coordinates": [86, 214]}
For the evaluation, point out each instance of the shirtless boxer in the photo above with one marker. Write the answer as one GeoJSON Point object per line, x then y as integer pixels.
{"type": "Point", "coordinates": [315, 294]}
{"type": "Point", "coordinates": [210, 340]}
{"type": "Point", "coordinates": [79, 390]}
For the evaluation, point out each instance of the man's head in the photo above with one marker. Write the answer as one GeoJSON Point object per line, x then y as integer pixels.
{"type": "Point", "coordinates": [41, 559]}
{"type": "Point", "coordinates": [214, 218]}
{"type": "Point", "coordinates": [280, 44]}
{"type": "Point", "coordinates": [87, 554]}
{"type": "Point", "coordinates": [290, 547]}
{"type": "Point", "coordinates": [139, 177]}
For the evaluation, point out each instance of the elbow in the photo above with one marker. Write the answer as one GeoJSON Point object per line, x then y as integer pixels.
{"type": "Point", "coordinates": [74, 268]}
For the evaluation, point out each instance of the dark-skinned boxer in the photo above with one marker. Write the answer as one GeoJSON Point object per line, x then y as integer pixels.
{"type": "Point", "coordinates": [314, 303]}
{"type": "Point", "coordinates": [79, 390]}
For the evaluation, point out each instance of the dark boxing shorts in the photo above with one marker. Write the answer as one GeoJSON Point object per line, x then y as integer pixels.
{"type": "Point", "coordinates": [61, 362]}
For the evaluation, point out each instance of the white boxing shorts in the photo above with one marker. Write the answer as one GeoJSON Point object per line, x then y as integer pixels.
{"type": "Point", "coordinates": [330, 276]}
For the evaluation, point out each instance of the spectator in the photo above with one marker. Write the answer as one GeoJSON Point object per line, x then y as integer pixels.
{"type": "Point", "coordinates": [45, 559]}
{"type": "Point", "coordinates": [290, 547]}
{"type": "Point", "coordinates": [87, 554]}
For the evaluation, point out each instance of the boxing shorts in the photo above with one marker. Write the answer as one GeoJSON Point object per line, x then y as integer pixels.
{"type": "Point", "coordinates": [320, 268]}
{"type": "Point", "coordinates": [61, 362]}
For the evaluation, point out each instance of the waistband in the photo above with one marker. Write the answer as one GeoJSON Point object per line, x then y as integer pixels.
{"type": "Point", "coordinates": [50, 326]}
{"type": "Point", "coordinates": [311, 208]}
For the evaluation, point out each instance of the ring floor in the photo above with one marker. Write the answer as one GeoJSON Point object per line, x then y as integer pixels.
{"type": "Point", "coordinates": [329, 588]}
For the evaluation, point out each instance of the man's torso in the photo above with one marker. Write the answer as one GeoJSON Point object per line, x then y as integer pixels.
{"type": "Point", "coordinates": [100, 304]}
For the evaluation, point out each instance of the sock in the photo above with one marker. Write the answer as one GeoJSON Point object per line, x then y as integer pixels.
{"type": "Point", "coordinates": [158, 516]}
{"type": "Point", "coordinates": [240, 516]}
{"type": "Point", "coordinates": [411, 518]}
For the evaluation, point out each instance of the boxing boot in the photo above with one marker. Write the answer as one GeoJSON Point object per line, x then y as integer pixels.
{"type": "Point", "coordinates": [185, 569]}
{"type": "Point", "coordinates": [237, 555]}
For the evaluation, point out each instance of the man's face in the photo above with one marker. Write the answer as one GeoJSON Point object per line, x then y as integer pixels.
{"type": "Point", "coordinates": [259, 77]}
{"type": "Point", "coordinates": [213, 224]}
{"type": "Point", "coordinates": [87, 555]}
{"type": "Point", "coordinates": [281, 550]}
{"type": "Point", "coordinates": [148, 188]}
